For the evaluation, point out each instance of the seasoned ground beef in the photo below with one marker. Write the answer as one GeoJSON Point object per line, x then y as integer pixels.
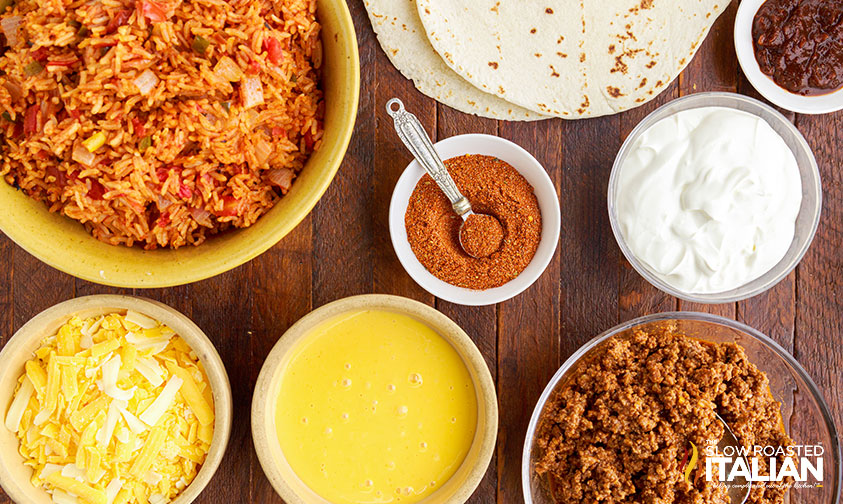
{"type": "Point", "coordinates": [618, 431]}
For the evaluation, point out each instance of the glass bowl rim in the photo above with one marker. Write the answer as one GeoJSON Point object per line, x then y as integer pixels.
{"type": "Point", "coordinates": [738, 293]}
{"type": "Point", "coordinates": [828, 419]}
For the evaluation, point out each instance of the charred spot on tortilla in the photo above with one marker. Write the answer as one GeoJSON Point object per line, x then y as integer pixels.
{"type": "Point", "coordinates": [533, 30]}
{"type": "Point", "coordinates": [620, 66]}
{"type": "Point", "coordinates": [549, 10]}
{"type": "Point", "coordinates": [651, 64]}
{"type": "Point", "coordinates": [614, 92]}
{"type": "Point", "coordinates": [501, 90]}
{"type": "Point", "coordinates": [538, 55]}
{"type": "Point", "coordinates": [643, 83]}
{"type": "Point", "coordinates": [612, 49]}
{"type": "Point", "coordinates": [584, 105]}
{"type": "Point", "coordinates": [561, 54]}
{"type": "Point", "coordinates": [582, 58]}
{"type": "Point", "coordinates": [553, 72]}
{"type": "Point", "coordinates": [646, 4]}
{"type": "Point", "coordinates": [493, 64]}
{"type": "Point", "coordinates": [561, 38]}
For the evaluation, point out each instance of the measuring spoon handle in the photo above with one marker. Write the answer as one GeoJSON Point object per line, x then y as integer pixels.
{"type": "Point", "coordinates": [412, 133]}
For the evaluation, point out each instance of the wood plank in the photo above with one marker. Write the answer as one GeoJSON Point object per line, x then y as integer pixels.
{"type": "Point", "coordinates": [343, 230]}
{"type": "Point", "coordinates": [7, 328]}
{"type": "Point", "coordinates": [85, 288]}
{"type": "Point", "coordinates": [715, 66]}
{"type": "Point", "coordinates": [281, 287]}
{"type": "Point", "coordinates": [636, 296]}
{"type": "Point", "coordinates": [7, 293]}
{"type": "Point", "coordinates": [36, 286]}
{"type": "Point", "coordinates": [528, 325]}
{"type": "Point", "coordinates": [480, 322]}
{"type": "Point", "coordinates": [589, 291]}
{"type": "Point", "coordinates": [221, 307]}
{"type": "Point", "coordinates": [390, 161]}
{"type": "Point", "coordinates": [819, 330]}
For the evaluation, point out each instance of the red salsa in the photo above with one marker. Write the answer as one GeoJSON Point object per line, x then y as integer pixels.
{"type": "Point", "coordinates": [799, 44]}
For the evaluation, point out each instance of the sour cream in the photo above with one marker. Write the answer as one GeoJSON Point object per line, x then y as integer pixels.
{"type": "Point", "coordinates": [708, 199]}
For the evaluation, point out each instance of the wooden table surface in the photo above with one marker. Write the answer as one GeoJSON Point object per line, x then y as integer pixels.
{"type": "Point", "coordinates": [343, 248]}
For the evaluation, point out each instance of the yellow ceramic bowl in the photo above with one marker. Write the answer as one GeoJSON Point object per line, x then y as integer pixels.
{"type": "Point", "coordinates": [460, 486]}
{"type": "Point", "coordinates": [64, 244]}
{"type": "Point", "coordinates": [14, 476]}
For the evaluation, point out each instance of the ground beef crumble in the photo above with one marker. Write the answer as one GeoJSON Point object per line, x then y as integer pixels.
{"type": "Point", "coordinates": [618, 430]}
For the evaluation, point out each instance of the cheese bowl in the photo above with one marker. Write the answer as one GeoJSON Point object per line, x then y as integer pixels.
{"type": "Point", "coordinates": [15, 476]}
{"type": "Point", "coordinates": [265, 404]}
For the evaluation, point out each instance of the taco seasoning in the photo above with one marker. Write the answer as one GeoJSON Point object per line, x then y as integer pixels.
{"type": "Point", "coordinates": [494, 188]}
{"type": "Point", "coordinates": [481, 235]}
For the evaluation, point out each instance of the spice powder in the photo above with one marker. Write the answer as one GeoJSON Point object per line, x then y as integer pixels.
{"type": "Point", "coordinates": [493, 187]}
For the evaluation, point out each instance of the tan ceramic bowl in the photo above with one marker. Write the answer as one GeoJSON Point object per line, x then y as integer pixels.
{"type": "Point", "coordinates": [14, 476]}
{"type": "Point", "coordinates": [64, 244]}
{"type": "Point", "coordinates": [461, 485]}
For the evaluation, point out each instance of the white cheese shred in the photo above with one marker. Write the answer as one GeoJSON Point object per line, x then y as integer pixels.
{"type": "Point", "coordinates": [162, 403]}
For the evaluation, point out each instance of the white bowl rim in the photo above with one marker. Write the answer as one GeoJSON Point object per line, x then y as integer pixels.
{"type": "Point", "coordinates": [526, 488]}
{"type": "Point", "coordinates": [819, 104]}
{"type": "Point", "coordinates": [223, 409]}
{"type": "Point", "coordinates": [530, 168]}
{"type": "Point", "coordinates": [736, 294]}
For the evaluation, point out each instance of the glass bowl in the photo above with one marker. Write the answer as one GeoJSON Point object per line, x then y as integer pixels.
{"type": "Point", "coordinates": [806, 221]}
{"type": "Point", "coordinates": [804, 411]}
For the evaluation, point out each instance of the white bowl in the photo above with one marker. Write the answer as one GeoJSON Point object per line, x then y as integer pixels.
{"type": "Point", "coordinates": [527, 166]}
{"type": "Point", "coordinates": [820, 104]}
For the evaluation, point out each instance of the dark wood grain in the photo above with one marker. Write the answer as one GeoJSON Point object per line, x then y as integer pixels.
{"type": "Point", "coordinates": [343, 248]}
{"type": "Point", "coordinates": [390, 163]}
{"type": "Point", "coordinates": [819, 305]}
{"type": "Point", "coordinates": [342, 221]}
{"type": "Point", "coordinates": [281, 294]}
{"type": "Point", "coordinates": [528, 327]}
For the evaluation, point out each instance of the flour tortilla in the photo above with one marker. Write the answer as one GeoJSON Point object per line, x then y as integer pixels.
{"type": "Point", "coordinates": [402, 37]}
{"type": "Point", "coordinates": [569, 58]}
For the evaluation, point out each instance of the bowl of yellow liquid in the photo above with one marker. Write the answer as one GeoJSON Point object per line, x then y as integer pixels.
{"type": "Point", "coordinates": [375, 399]}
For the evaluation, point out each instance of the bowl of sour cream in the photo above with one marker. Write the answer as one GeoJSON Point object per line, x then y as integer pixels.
{"type": "Point", "coordinates": [714, 197]}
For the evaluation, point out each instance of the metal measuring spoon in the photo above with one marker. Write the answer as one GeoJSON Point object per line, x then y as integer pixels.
{"type": "Point", "coordinates": [739, 489]}
{"type": "Point", "coordinates": [412, 133]}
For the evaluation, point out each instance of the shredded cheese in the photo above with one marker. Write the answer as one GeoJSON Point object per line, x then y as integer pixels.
{"type": "Point", "coordinates": [113, 410]}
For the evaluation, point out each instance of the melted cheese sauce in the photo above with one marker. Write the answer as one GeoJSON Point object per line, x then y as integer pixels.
{"type": "Point", "coordinates": [375, 407]}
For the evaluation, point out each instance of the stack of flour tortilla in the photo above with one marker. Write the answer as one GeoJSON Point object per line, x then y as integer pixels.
{"type": "Point", "coordinates": [525, 60]}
